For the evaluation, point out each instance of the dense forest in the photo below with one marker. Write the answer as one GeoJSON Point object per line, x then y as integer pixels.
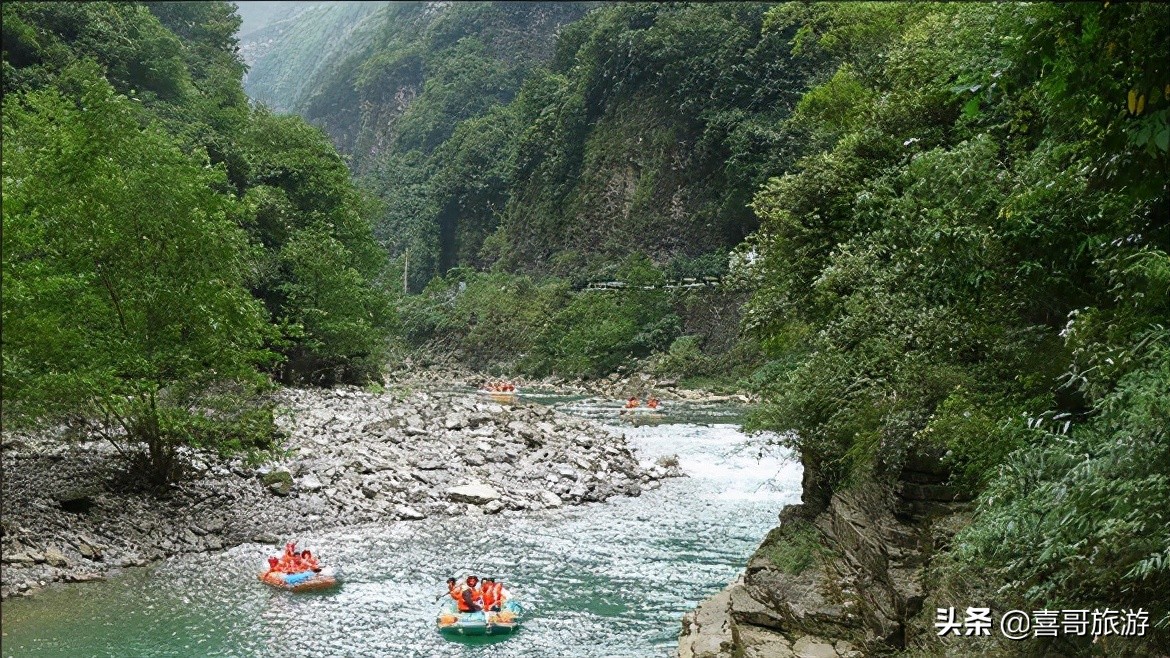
{"type": "Point", "coordinates": [166, 245]}
{"type": "Point", "coordinates": [949, 226]}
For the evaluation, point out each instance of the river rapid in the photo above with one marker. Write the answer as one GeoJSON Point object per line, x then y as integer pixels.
{"type": "Point", "coordinates": [608, 579]}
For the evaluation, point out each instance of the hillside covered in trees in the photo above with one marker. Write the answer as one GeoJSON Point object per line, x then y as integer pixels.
{"type": "Point", "coordinates": [164, 242]}
{"type": "Point", "coordinates": [943, 230]}
{"type": "Point", "coordinates": [957, 220]}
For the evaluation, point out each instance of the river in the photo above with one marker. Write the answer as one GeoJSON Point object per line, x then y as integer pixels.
{"type": "Point", "coordinates": [609, 579]}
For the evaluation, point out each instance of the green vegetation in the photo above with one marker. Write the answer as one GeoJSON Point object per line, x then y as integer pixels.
{"type": "Point", "coordinates": [971, 257]}
{"type": "Point", "coordinates": [538, 326]}
{"type": "Point", "coordinates": [165, 245]}
{"type": "Point", "coordinates": [796, 549]}
{"type": "Point", "coordinates": [495, 143]}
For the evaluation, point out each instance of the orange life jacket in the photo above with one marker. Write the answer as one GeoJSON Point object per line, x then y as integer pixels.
{"type": "Point", "coordinates": [490, 597]}
{"type": "Point", "coordinates": [460, 599]}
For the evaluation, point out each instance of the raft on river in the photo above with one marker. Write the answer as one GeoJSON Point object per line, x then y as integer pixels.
{"type": "Point", "coordinates": [503, 397]}
{"type": "Point", "coordinates": [305, 581]}
{"type": "Point", "coordinates": [451, 622]}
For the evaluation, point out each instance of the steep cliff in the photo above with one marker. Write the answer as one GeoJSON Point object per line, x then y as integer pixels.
{"type": "Point", "coordinates": [838, 580]}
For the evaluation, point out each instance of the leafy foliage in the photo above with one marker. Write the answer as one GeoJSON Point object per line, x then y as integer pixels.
{"type": "Point", "coordinates": [977, 237]}
{"type": "Point", "coordinates": [148, 210]}
{"type": "Point", "coordinates": [124, 273]}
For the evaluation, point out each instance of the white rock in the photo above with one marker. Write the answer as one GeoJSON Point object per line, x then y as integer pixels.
{"type": "Point", "coordinates": [476, 494]}
{"type": "Point", "coordinates": [550, 499]}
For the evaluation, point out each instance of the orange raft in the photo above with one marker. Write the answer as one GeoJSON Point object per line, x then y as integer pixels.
{"type": "Point", "coordinates": [307, 581]}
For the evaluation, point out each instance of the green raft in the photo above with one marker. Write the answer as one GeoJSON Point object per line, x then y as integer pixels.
{"type": "Point", "coordinates": [451, 622]}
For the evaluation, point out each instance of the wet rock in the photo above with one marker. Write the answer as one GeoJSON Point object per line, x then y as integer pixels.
{"type": "Point", "coordinates": [493, 507]}
{"type": "Point", "coordinates": [476, 494]}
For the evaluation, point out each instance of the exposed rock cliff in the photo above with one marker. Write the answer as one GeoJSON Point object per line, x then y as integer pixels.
{"type": "Point", "coordinates": [839, 582]}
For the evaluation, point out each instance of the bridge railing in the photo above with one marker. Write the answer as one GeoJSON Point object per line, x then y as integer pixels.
{"type": "Point", "coordinates": [690, 282]}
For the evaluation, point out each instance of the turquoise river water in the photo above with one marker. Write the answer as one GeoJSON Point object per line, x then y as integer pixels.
{"type": "Point", "coordinates": [607, 580]}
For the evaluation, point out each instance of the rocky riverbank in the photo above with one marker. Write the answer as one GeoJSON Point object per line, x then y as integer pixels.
{"type": "Point", "coordinates": [839, 578]}
{"type": "Point", "coordinates": [430, 373]}
{"type": "Point", "coordinates": [350, 457]}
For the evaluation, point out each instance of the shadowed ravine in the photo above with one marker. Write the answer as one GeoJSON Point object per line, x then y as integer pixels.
{"type": "Point", "coordinates": [609, 579]}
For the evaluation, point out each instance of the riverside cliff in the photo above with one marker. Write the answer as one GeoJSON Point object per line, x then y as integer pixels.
{"type": "Point", "coordinates": [841, 579]}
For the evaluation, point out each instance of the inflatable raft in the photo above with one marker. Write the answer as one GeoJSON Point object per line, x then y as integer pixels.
{"type": "Point", "coordinates": [503, 397]}
{"type": "Point", "coordinates": [305, 581]}
{"type": "Point", "coordinates": [451, 622]}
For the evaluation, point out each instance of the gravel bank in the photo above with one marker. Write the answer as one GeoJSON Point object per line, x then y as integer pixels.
{"type": "Point", "coordinates": [351, 457]}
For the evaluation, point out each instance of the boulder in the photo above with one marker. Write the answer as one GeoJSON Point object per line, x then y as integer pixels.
{"type": "Point", "coordinates": [476, 494]}
{"type": "Point", "coordinates": [311, 482]}
{"type": "Point", "coordinates": [550, 499]}
{"type": "Point", "coordinates": [409, 513]}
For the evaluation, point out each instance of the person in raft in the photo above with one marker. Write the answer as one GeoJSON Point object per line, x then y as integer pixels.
{"type": "Point", "coordinates": [493, 595]}
{"type": "Point", "coordinates": [633, 403]}
{"type": "Point", "coordinates": [466, 595]}
{"type": "Point", "coordinates": [293, 561]}
{"type": "Point", "coordinates": [473, 596]}
{"type": "Point", "coordinates": [652, 403]}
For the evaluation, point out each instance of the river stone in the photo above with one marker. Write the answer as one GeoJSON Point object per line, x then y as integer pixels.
{"type": "Point", "coordinates": [476, 494]}
{"type": "Point", "coordinates": [311, 483]}
{"type": "Point", "coordinates": [550, 499]}
{"type": "Point", "coordinates": [811, 646]}
{"type": "Point", "coordinates": [493, 507]}
{"type": "Point", "coordinates": [55, 558]}
{"type": "Point", "coordinates": [409, 513]}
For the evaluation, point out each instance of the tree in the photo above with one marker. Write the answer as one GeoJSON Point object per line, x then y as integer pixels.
{"type": "Point", "coordinates": [125, 275]}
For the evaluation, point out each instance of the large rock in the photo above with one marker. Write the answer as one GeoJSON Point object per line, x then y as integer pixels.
{"type": "Point", "coordinates": [476, 494]}
{"type": "Point", "coordinates": [311, 482]}
{"type": "Point", "coordinates": [706, 630]}
{"type": "Point", "coordinates": [55, 558]}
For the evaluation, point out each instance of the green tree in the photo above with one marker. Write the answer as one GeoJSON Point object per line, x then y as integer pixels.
{"type": "Point", "coordinates": [125, 274]}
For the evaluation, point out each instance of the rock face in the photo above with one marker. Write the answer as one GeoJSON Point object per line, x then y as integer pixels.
{"type": "Point", "coordinates": [839, 582]}
{"type": "Point", "coordinates": [352, 457]}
